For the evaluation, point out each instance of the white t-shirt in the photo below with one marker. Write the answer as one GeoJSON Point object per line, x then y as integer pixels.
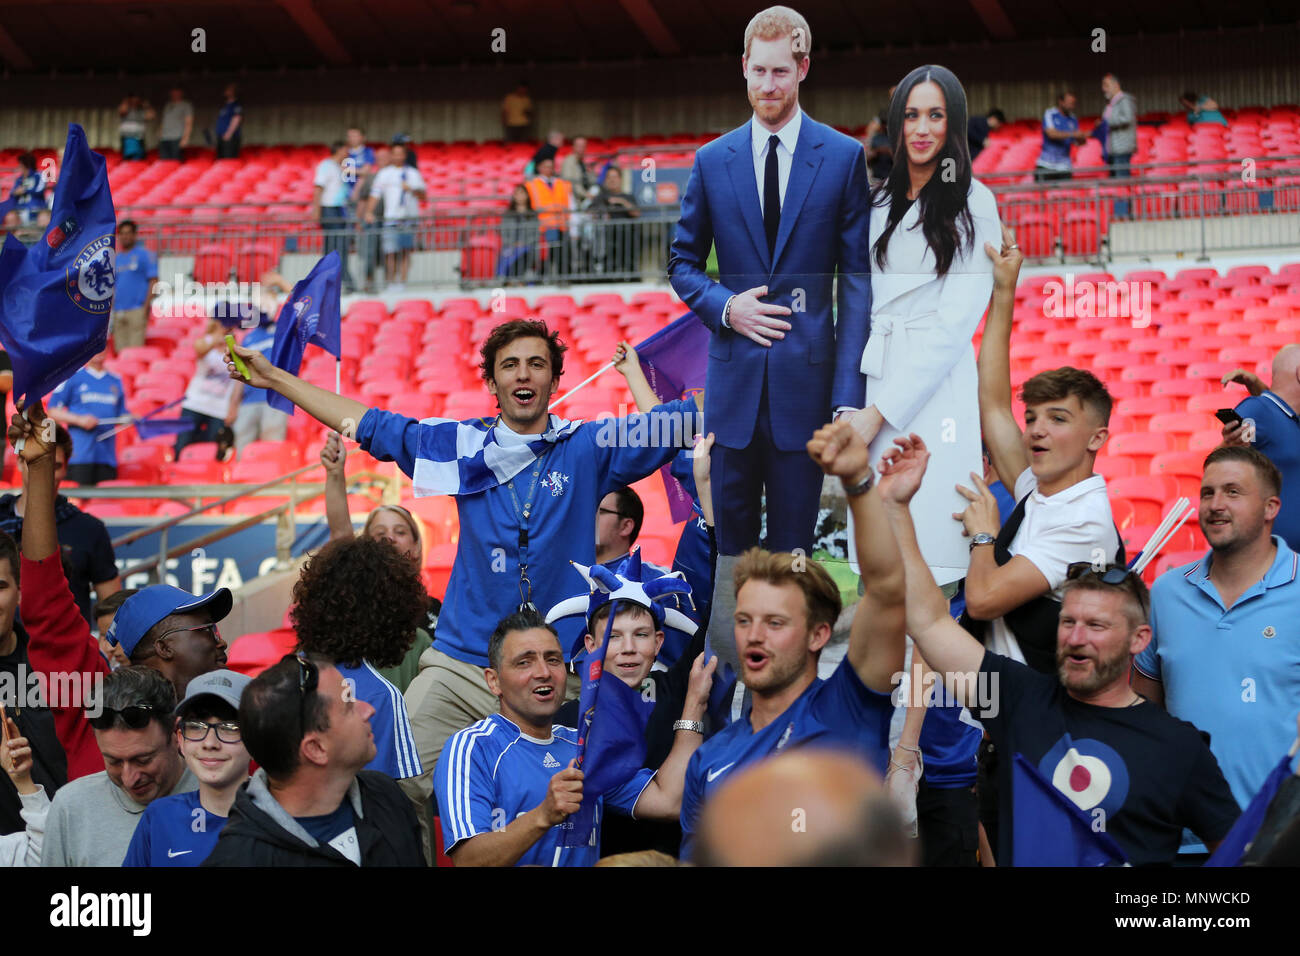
{"type": "Point", "coordinates": [398, 204]}
{"type": "Point", "coordinates": [1057, 531]}
{"type": "Point", "coordinates": [210, 388]}
{"type": "Point", "coordinates": [329, 177]}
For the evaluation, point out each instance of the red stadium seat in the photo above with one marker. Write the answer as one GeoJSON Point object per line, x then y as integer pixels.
{"type": "Point", "coordinates": [1150, 495]}
{"type": "Point", "coordinates": [1140, 446]}
{"type": "Point", "coordinates": [1185, 466]}
{"type": "Point", "coordinates": [196, 471]}
{"type": "Point", "coordinates": [199, 451]}
{"type": "Point", "coordinates": [1169, 560]}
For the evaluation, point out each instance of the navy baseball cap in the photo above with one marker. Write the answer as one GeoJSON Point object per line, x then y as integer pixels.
{"type": "Point", "coordinates": [150, 605]}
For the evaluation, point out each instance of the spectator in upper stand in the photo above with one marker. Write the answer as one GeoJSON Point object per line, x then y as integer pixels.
{"type": "Point", "coordinates": [329, 205]}
{"type": "Point", "coordinates": [1060, 131]}
{"type": "Point", "coordinates": [577, 172]}
{"type": "Point", "coordinates": [137, 280]}
{"type": "Point", "coordinates": [85, 545]}
{"type": "Point", "coordinates": [359, 602]}
{"type": "Point", "coordinates": [177, 125]}
{"type": "Point", "coordinates": [554, 143]}
{"type": "Point", "coordinates": [28, 192]}
{"type": "Point", "coordinates": [1082, 727]}
{"type": "Point", "coordinates": [93, 818]}
{"type": "Point", "coordinates": [1270, 421]}
{"type": "Point", "coordinates": [1201, 109]}
{"type": "Point", "coordinates": [1120, 117]}
{"type": "Point", "coordinates": [136, 114]}
{"type": "Point", "coordinates": [401, 188]}
{"type": "Point", "coordinates": [614, 208]}
{"type": "Point", "coordinates": [210, 401]}
{"type": "Point", "coordinates": [979, 127]}
{"type": "Point", "coordinates": [311, 802]}
{"type": "Point", "coordinates": [182, 829]}
{"type": "Point", "coordinates": [553, 200]}
{"type": "Point", "coordinates": [880, 150]}
{"type": "Point", "coordinates": [361, 156]}
{"type": "Point", "coordinates": [517, 114]}
{"type": "Point", "coordinates": [105, 611]}
{"type": "Point", "coordinates": [518, 236]}
{"type": "Point", "coordinates": [368, 216]}
{"type": "Point", "coordinates": [1225, 653]}
{"type": "Point", "coordinates": [230, 122]}
{"type": "Point", "coordinates": [81, 403]}
{"type": "Point", "coordinates": [407, 143]}
{"type": "Point", "coordinates": [399, 528]}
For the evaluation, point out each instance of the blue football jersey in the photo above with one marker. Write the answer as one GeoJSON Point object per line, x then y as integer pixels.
{"type": "Point", "coordinates": [840, 711]}
{"type": "Point", "coordinates": [395, 752]}
{"type": "Point", "coordinates": [100, 394]}
{"type": "Point", "coordinates": [174, 831]}
{"type": "Point", "coordinates": [492, 772]}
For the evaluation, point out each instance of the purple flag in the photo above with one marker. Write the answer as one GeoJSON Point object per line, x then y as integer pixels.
{"type": "Point", "coordinates": [675, 360]}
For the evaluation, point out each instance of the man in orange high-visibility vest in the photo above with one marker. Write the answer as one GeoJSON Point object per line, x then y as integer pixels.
{"type": "Point", "coordinates": [552, 199]}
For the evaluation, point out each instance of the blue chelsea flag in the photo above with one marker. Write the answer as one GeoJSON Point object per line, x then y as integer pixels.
{"type": "Point", "coordinates": [312, 313]}
{"type": "Point", "coordinates": [56, 297]}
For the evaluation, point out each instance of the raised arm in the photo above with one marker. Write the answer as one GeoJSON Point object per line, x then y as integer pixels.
{"type": "Point", "coordinates": [336, 411]}
{"type": "Point", "coordinates": [876, 641]}
{"type": "Point", "coordinates": [1001, 433]}
{"type": "Point", "coordinates": [947, 647]}
{"type": "Point", "coordinates": [662, 797]}
{"type": "Point", "coordinates": [627, 364]}
{"type": "Point", "coordinates": [337, 515]}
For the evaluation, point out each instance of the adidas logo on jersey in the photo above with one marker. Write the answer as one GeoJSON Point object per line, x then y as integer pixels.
{"type": "Point", "coordinates": [550, 763]}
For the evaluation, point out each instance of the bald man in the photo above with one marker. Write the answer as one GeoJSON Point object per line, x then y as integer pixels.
{"type": "Point", "coordinates": [1271, 423]}
{"type": "Point", "coordinates": [803, 807]}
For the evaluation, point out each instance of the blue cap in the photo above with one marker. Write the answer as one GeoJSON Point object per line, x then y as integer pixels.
{"type": "Point", "coordinates": [148, 606]}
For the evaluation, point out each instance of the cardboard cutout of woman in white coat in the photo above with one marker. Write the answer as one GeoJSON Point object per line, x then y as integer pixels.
{"type": "Point", "coordinates": [919, 360]}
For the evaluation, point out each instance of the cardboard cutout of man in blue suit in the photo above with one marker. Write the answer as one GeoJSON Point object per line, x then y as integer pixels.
{"type": "Point", "coordinates": [784, 199]}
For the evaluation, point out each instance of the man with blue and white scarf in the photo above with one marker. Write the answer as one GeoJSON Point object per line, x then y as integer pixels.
{"type": "Point", "coordinates": [527, 486]}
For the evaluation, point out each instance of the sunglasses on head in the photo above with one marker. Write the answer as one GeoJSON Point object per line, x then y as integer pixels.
{"type": "Point", "coordinates": [308, 681]}
{"type": "Point", "coordinates": [1114, 575]}
{"type": "Point", "coordinates": [135, 717]}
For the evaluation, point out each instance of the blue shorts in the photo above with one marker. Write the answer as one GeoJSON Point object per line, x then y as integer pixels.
{"type": "Point", "coordinates": [398, 237]}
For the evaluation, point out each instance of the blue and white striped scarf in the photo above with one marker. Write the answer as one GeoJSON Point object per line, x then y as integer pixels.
{"type": "Point", "coordinates": [464, 458]}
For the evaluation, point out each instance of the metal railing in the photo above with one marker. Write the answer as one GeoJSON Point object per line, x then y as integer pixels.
{"type": "Point", "coordinates": [284, 513]}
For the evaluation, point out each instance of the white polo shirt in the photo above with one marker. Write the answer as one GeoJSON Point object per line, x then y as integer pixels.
{"type": "Point", "coordinates": [1058, 530]}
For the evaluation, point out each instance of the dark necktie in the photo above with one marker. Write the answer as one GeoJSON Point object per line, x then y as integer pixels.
{"type": "Point", "coordinates": [771, 195]}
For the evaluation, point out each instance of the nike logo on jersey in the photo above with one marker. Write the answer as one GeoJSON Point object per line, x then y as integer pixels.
{"type": "Point", "coordinates": [713, 775]}
{"type": "Point", "coordinates": [550, 762]}
{"type": "Point", "coordinates": [172, 854]}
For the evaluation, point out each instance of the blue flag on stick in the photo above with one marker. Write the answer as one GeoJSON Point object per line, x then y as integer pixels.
{"type": "Point", "coordinates": [56, 297]}
{"type": "Point", "coordinates": [1242, 834]}
{"type": "Point", "coordinates": [1049, 830]}
{"type": "Point", "coordinates": [675, 360]}
{"type": "Point", "coordinates": [611, 743]}
{"type": "Point", "coordinates": [312, 313]}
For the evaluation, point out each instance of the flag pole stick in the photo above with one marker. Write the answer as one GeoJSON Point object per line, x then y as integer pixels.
{"type": "Point", "coordinates": [586, 381]}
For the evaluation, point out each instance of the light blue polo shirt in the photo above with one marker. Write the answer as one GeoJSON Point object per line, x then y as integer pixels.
{"type": "Point", "coordinates": [1233, 673]}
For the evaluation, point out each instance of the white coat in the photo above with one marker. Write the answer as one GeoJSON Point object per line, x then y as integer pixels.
{"type": "Point", "coordinates": [920, 367]}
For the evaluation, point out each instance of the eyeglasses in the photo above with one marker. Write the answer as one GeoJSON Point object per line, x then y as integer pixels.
{"type": "Point", "coordinates": [135, 717]}
{"type": "Point", "coordinates": [197, 730]}
{"type": "Point", "coordinates": [308, 681]}
{"type": "Point", "coordinates": [211, 629]}
{"type": "Point", "coordinates": [607, 511]}
{"type": "Point", "coordinates": [1116, 576]}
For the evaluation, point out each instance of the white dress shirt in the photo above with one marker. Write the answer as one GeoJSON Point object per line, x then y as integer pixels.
{"type": "Point", "coordinates": [789, 138]}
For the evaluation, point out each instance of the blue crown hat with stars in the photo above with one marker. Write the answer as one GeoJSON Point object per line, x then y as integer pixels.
{"type": "Point", "coordinates": [625, 584]}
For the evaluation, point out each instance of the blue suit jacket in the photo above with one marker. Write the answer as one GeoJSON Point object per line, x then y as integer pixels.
{"type": "Point", "coordinates": [824, 219]}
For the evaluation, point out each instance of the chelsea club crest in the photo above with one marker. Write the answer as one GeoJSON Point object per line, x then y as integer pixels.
{"type": "Point", "coordinates": [91, 276]}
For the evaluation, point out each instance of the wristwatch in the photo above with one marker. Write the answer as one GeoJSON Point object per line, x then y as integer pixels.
{"type": "Point", "coordinates": [695, 726]}
{"type": "Point", "coordinates": [862, 487]}
{"type": "Point", "coordinates": [982, 538]}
